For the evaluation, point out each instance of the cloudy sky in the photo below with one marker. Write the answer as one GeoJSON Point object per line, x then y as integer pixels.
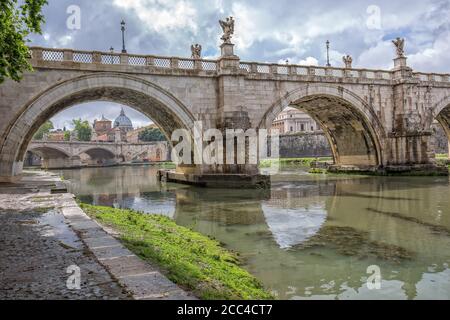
{"type": "Point", "coordinates": [266, 31]}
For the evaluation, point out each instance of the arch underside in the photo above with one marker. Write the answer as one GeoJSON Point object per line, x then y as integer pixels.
{"type": "Point", "coordinates": [152, 108]}
{"type": "Point", "coordinates": [99, 153]}
{"type": "Point", "coordinates": [351, 138]}
{"type": "Point", "coordinates": [444, 119]}
{"type": "Point", "coordinates": [49, 153]}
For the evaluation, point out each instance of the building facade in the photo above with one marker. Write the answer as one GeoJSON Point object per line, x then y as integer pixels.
{"type": "Point", "coordinates": [292, 120]}
{"type": "Point", "coordinates": [56, 135]}
{"type": "Point", "coordinates": [133, 135]}
{"type": "Point", "coordinates": [104, 131]}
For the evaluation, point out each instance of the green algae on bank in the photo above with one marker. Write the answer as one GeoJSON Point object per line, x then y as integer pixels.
{"type": "Point", "coordinates": [188, 258]}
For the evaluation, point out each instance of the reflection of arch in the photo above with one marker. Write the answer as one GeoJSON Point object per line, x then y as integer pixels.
{"type": "Point", "coordinates": [148, 98]}
{"type": "Point", "coordinates": [352, 127]}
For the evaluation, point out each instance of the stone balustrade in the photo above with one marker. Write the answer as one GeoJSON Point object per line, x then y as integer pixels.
{"type": "Point", "coordinates": [251, 68]}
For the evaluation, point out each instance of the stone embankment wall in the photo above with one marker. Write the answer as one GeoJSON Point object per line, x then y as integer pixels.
{"type": "Point", "coordinates": [302, 145]}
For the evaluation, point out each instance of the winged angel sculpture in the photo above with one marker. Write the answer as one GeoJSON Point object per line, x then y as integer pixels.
{"type": "Point", "coordinates": [196, 51]}
{"type": "Point", "coordinates": [228, 29]}
{"type": "Point", "coordinates": [399, 46]}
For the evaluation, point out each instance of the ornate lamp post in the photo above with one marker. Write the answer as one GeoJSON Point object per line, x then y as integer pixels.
{"type": "Point", "coordinates": [123, 36]}
{"type": "Point", "coordinates": [112, 56]}
{"type": "Point", "coordinates": [328, 53]}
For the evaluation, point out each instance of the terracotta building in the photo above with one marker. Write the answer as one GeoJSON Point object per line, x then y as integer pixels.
{"type": "Point", "coordinates": [104, 130]}
{"type": "Point", "coordinates": [57, 135]}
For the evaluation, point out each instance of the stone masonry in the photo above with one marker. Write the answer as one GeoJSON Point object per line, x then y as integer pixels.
{"type": "Point", "coordinates": [59, 154]}
{"type": "Point", "coordinates": [376, 120]}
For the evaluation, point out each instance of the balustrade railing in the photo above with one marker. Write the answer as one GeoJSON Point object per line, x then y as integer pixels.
{"type": "Point", "coordinates": [89, 57]}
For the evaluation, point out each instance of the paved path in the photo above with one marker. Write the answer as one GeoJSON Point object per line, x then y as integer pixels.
{"type": "Point", "coordinates": [42, 234]}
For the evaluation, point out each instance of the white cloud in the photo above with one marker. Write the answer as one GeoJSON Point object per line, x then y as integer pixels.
{"type": "Point", "coordinates": [160, 15]}
{"type": "Point", "coordinates": [377, 57]}
{"type": "Point", "coordinates": [64, 41]}
{"type": "Point", "coordinates": [309, 61]}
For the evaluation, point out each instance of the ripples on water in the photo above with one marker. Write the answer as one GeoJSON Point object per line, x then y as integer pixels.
{"type": "Point", "coordinates": [309, 236]}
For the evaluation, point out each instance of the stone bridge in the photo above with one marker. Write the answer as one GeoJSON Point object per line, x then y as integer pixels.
{"type": "Point", "coordinates": [375, 120]}
{"type": "Point", "coordinates": [60, 154]}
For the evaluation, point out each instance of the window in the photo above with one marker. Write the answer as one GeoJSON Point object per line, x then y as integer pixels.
{"type": "Point", "coordinates": [292, 129]}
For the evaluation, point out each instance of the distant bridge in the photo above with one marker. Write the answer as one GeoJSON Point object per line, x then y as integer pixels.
{"type": "Point", "coordinates": [65, 154]}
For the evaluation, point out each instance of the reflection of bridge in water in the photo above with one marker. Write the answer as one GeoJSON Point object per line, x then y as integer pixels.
{"type": "Point", "coordinates": [273, 229]}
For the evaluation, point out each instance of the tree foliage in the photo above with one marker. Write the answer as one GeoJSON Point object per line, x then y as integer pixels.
{"type": "Point", "coordinates": [66, 135]}
{"type": "Point", "coordinates": [45, 128]}
{"type": "Point", "coordinates": [83, 129]}
{"type": "Point", "coordinates": [17, 22]}
{"type": "Point", "coordinates": [151, 134]}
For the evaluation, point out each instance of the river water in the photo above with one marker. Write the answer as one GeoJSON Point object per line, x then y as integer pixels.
{"type": "Point", "coordinates": [310, 236]}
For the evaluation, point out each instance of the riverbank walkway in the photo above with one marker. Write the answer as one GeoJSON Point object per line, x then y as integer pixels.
{"type": "Point", "coordinates": [50, 249]}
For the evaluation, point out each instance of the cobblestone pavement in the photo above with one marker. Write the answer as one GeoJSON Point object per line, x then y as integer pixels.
{"type": "Point", "coordinates": [37, 246]}
{"type": "Point", "coordinates": [43, 234]}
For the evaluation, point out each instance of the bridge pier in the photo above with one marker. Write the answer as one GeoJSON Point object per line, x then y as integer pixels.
{"type": "Point", "coordinates": [219, 178]}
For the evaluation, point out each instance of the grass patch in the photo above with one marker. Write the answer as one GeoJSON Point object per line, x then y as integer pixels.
{"type": "Point", "coordinates": [306, 162]}
{"type": "Point", "coordinates": [318, 171]}
{"type": "Point", "coordinates": [188, 258]}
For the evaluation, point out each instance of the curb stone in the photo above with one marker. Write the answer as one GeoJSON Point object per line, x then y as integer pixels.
{"type": "Point", "coordinates": [142, 280]}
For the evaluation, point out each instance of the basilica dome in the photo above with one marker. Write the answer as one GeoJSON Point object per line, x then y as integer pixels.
{"type": "Point", "coordinates": [122, 121]}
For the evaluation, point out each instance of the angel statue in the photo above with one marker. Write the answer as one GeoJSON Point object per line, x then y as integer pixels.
{"type": "Point", "coordinates": [228, 29]}
{"type": "Point", "coordinates": [400, 46]}
{"type": "Point", "coordinates": [196, 51]}
{"type": "Point", "coordinates": [347, 61]}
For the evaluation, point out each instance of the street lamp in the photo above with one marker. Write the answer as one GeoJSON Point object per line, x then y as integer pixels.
{"type": "Point", "coordinates": [123, 36]}
{"type": "Point", "coordinates": [112, 54]}
{"type": "Point", "coordinates": [328, 53]}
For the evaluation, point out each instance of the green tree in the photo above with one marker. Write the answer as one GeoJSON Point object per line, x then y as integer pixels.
{"type": "Point", "coordinates": [151, 134]}
{"type": "Point", "coordinates": [83, 129]}
{"type": "Point", "coordinates": [66, 135]}
{"type": "Point", "coordinates": [45, 128]}
{"type": "Point", "coordinates": [17, 22]}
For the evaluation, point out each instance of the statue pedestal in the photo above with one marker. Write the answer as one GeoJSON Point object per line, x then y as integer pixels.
{"type": "Point", "coordinates": [401, 69]}
{"type": "Point", "coordinates": [400, 62]}
{"type": "Point", "coordinates": [228, 60]}
{"type": "Point", "coordinates": [227, 50]}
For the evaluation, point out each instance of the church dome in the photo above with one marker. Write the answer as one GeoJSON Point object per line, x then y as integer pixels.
{"type": "Point", "coordinates": [122, 121]}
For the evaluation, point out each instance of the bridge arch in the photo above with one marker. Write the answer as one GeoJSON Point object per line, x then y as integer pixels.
{"type": "Point", "coordinates": [351, 126]}
{"type": "Point", "coordinates": [98, 152]}
{"type": "Point", "coordinates": [49, 152]}
{"type": "Point", "coordinates": [441, 112]}
{"type": "Point", "coordinates": [162, 107]}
